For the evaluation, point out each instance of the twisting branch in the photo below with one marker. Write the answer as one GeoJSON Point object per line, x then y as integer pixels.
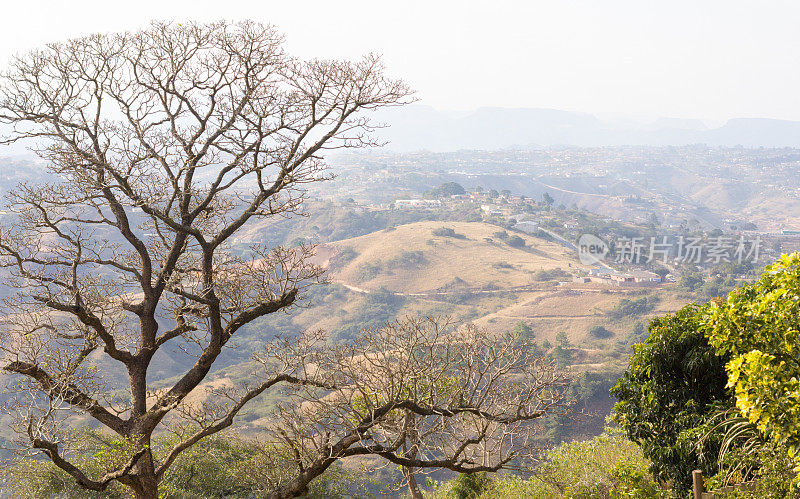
{"type": "Point", "coordinates": [166, 143]}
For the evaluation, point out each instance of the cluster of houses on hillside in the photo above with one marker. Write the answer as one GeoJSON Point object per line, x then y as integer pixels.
{"type": "Point", "coordinates": [640, 278]}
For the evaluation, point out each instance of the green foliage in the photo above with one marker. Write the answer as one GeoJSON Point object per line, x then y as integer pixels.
{"type": "Point", "coordinates": [447, 232]}
{"type": "Point", "coordinates": [543, 235]}
{"type": "Point", "coordinates": [406, 260]}
{"type": "Point", "coordinates": [368, 271]}
{"type": "Point", "coordinates": [634, 308]}
{"type": "Point", "coordinates": [94, 453]}
{"type": "Point", "coordinates": [767, 470]}
{"type": "Point", "coordinates": [732, 268]}
{"type": "Point", "coordinates": [690, 280]}
{"type": "Point", "coordinates": [543, 275]}
{"type": "Point", "coordinates": [600, 332]}
{"type": "Point", "coordinates": [447, 189]}
{"type": "Point", "coordinates": [214, 467]}
{"type": "Point", "coordinates": [758, 326]}
{"type": "Point", "coordinates": [515, 242]}
{"type": "Point", "coordinates": [470, 486]}
{"type": "Point", "coordinates": [670, 388]}
{"type": "Point", "coordinates": [605, 467]}
{"type": "Point", "coordinates": [637, 334]}
{"type": "Point", "coordinates": [501, 234]}
{"type": "Point", "coordinates": [38, 479]}
{"type": "Point", "coordinates": [375, 310]}
{"type": "Point", "coordinates": [502, 266]}
{"type": "Point", "coordinates": [522, 331]}
{"type": "Point", "coordinates": [608, 466]}
{"type": "Point", "coordinates": [591, 385]}
{"type": "Point", "coordinates": [562, 352]}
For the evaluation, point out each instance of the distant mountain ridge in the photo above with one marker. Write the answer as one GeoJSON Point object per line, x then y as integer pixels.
{"type": "Point", "coordinates": [419, 127]}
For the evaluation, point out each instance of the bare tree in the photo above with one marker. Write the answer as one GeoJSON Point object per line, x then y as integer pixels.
{"type": "Point", "coordinates": [167, 143]}
{"type": "Point", "coordinates": [419, 393]}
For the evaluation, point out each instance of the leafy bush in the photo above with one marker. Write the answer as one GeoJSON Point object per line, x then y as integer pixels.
{"type": "Point", "coordinates": [502, 265]}
{"type": "Point", "coordinates": [515, 242]}
{"type": "Point", "coordinates": [376, 309]}
{"type": "Point", "coordinates": [501, 234]}
{"type": "Point", "coordinates": [470, 486]}
{"type": "Point", "coordinates": [447, 232]}
{"type": "Point", "coordinates": [543, 235]}
{"type": "Point", "coordinates": [522, 331]}
{"type": "Point", "coordinates": [691, 280]}
{"type": "Point", "coordinates": [633, 308]}
{"type": "Point", "coordinates": [608, 466]}
{"type": "Point", "coordinates": [767, 470]}
{"type": "Point", "coordinates": [605, 467]}
{"type": "Point", "coordinates": [550, 275]}
{"type": "Point", "coordinates": [600, 332]}
{"type": "Point", "coordinates": [562, 352]}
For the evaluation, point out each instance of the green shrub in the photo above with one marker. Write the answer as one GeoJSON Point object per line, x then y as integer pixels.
{"type": "Point", "coordinates": [447, 232]}
{"type": "Point", "coordinates": [471, 486]}
{"type": "Point", "coordinates": [600, 332]}
{"type": "Point", "coordinates": [502, 265]}
{"type": "Point", "coordinates": [406, 259]}
{"type": "Point", "coordinates": [550, 275]}
{"type": "Point", "coordinates": [501, 234]}
{"type": "Point", "coordinates": [343, 257]}
{"type": "Point", "coordinates": [515, 242]}
{"type": "Point", "coordinates": [605, 467]}
{"type": "Point", "coordinates": [634, 308]}
{"type": "Point", "coordinates": [768, 470]}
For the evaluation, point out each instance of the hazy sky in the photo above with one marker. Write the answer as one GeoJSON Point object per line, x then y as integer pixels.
{"type": "Point", "coordinates": [705, 59]}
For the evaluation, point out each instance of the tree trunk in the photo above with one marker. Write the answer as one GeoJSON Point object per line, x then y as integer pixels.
{"type": "Point", "coordinates": [144, 483]}
{"type": "Point", "coordinates": [408, 472]}
{"type": "Point", "coordinates": [413, 487]}
{"type": "Point", "coordinates": [148, 489]}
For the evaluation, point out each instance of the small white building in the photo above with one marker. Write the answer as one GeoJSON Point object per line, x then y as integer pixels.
{"type": "Point", "coordinates": [417, 203]}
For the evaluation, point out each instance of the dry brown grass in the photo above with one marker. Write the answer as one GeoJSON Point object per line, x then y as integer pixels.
{"type": "Point", "coordinates": [474, 260]}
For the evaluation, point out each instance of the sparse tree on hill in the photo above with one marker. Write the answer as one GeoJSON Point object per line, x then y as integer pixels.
{"type": "Point", "coordinates": [170, 142]}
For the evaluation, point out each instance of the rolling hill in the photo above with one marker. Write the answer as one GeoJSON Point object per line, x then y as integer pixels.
{"type": "Point", "coordinates": [474, 276]}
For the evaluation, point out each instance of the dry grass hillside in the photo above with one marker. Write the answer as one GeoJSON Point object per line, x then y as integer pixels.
{"type": "Point", "coordinates": [474, 275]}
{"type": "Point", "coordinates": [412, 259]}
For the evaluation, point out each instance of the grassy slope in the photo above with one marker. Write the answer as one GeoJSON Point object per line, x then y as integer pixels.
{"type": "Point", "coordinates": [474, 260]}
{"type": "Point", "coordinates": [491, 295]}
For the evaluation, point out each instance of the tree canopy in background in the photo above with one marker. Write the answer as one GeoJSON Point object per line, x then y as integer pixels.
{"type": "Point", "coordinates": [447, 189]}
